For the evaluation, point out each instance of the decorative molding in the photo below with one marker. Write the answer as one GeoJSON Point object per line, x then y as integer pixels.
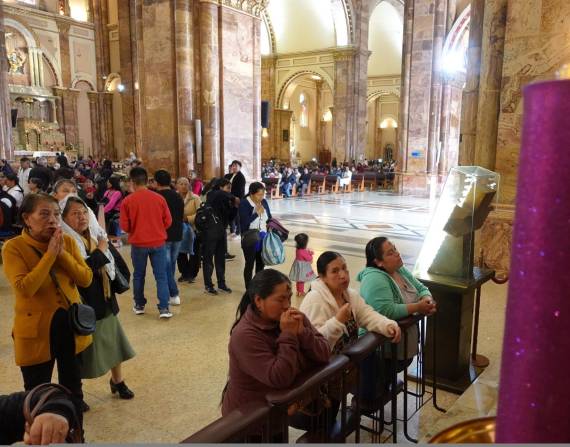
{"type": "Point", "coordinates": [252, 7]}
{"type": "Point", "coordinates": [344, 54]}
{"type": "Point", "coordinates": [270, 31]}
{"type": "Point", "coordinates": [34, 14]}
{"type": "Point", "coordinates": [268, 62]}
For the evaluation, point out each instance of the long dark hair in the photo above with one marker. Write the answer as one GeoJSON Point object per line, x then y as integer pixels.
{"type": "Point", "coordinates": [255, 187]}
{"type": "Point", "coordinates": [262, 285]}
{"type": "Point", "coordinates": [374, 252]}
{"type": "Point", "coordinates": [324, 260]}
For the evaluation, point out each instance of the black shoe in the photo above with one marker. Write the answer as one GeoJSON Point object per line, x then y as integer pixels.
{"type": "Point", "coordinates": [224, 288]}
{"type": "Point", "coordinates": [84, 407]}
{"type": "Point", "coordinates": [191, 280]}
{"type": "Point", "coordinates": [211, 291]}
{"type": "Point", "coordinates": [122, 389]}
{"type": "Point", "coordinates": [182, 279]}
{"type": "Point", "coordinates": [230, 257]}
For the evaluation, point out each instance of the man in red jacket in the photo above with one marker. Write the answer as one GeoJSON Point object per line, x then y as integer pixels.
{"type": "Point", "coordinates": [145, 216]}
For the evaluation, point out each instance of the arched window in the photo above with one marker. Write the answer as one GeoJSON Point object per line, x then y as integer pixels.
{"type": "Point", "coordinates": [304, 103]}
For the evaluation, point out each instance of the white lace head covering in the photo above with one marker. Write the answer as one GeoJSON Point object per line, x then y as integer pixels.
{"type": "Point", "coordinates": [95, 232]}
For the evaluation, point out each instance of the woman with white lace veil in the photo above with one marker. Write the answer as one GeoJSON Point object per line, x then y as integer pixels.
{"type": "Point", "coordinates": [110, 345]}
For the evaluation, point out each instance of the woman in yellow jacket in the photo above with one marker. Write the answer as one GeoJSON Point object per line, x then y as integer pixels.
{"type": "Point", "coordinates": [189, 262]}
{"type": "Point", "coordinates": [42, 333]}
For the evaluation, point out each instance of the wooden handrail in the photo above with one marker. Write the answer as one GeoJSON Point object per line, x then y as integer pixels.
{"type": "Point", "coordinates": [233, 426]}
{"type": "Point", "coordinates": [365, 346]}
{"type": "Point", "coordinates": [307, 382]}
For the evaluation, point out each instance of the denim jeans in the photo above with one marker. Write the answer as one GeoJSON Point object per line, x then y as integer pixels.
{"type": "Point", "coordinates": [172, 250]}
{"type": "Point", "coordinates": [157, 255]}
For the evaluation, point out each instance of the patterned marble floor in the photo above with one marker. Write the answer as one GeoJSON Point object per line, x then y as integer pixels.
{"type": "Point", "coordinates": [181, 364]}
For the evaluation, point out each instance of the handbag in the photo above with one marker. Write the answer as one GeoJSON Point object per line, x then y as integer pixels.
{"type": "Point", "coordinates": [39, 397]}
{"type": "Point", "coordinates": [272, 252]}
{"type": "Point", "coordinates": [121, 283]}
{"type": "Point", "coordinates": [81, 316]}
{"type": "Point", "coordinates": [276, 226]}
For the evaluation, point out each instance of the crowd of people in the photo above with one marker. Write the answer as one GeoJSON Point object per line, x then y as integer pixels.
{"type": "Point", "coordinates": [288, 176]}
{"type": "Point", "coordinates": [62, 225]}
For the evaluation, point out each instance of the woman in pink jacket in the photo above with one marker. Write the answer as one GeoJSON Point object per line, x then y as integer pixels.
{"type": "Point", "coordinates": [112, 198]}
{"type": "Point", "coordinates": [271, 343]}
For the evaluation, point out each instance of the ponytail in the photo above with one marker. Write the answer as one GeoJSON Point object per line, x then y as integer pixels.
{"type": "Point", "coordinates": [262, 285]}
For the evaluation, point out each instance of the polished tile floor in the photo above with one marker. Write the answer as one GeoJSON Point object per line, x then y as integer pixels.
{"type": "Point", "coordinates": [181, 364]}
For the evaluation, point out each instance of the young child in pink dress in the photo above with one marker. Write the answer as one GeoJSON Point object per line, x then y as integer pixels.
{"type": "Point", "coordinates": [302, 269]}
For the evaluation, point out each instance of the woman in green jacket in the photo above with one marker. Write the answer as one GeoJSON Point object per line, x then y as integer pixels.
{"type": "Point", "coordinates": [392, 290]}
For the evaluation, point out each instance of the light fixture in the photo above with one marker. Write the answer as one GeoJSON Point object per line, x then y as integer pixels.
{"type": "Point", "coordinates": [264, 133]}
{"type": "Point", "coordinates": [389, 123]}
{"type": "Point", "coordinates": [327, 116]}
{"type": "Point", "coordinates": [121, 88]}
{"type": "Point", "coordinates": [316, 77]}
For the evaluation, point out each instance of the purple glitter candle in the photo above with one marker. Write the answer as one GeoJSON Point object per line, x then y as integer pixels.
{"type": "Point", "coordinates": [534, 400]}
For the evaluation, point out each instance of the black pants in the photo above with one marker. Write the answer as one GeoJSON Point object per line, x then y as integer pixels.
{"type": "Point", "coordinates": [189, 266]}
{"type": "Point", "coordinates": [375, 375]}
{"type": "Point", "coordinates": [214, 247]}
{"type": "Point", "coordinates": [252, 257]}
{"type": "Point", "coordinates": [62, 341]}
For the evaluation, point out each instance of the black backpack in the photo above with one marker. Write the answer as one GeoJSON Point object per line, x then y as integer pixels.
{"type": "Point", "coordinates": [206, 218]}
{"type": "Point", "coordinates": [9, 214]}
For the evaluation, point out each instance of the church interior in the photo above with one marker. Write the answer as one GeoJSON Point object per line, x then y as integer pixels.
{"type": "Point", "coordinates": [441, 90]}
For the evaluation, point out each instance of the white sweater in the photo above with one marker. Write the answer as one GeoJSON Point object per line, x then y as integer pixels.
{"type": "Point", "coordinates": [320, 306]}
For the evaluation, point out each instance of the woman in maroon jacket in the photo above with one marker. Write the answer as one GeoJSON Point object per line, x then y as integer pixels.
{"type": "Point", "coordinates": [271, 343]}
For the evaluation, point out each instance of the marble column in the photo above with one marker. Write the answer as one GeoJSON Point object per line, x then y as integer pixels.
{"type": "Point", "coordinates": [470, 101]}
{"type": "Point", "coordinates": [268, 145]}
{"type": "Point", "coordinates": [256, 160]}
{"type": "Point", "coordinates": [434, 139]}
{"type": "Point", "coordinates": [402, 149]}
{"type": "Point", "coordinates": [377, 131]}
{"type": "Point", "coordinates": [95, 124]}
{"type": "Point", "coordinates": [490, 83]}
{"type": "Point", "coordinates": [318, 115]}
{"type": "Point", "coordinates": [210, 89]}
{"type": "Point", "coordinates": [344, 106]}
{"type": "Point", "coordinates": [64, 51]}
{"type": "Point", "coordinates": [109, 149]}
{"type": "Point", "coordinates": [100, 18]}
{"type": "Point", "coordinates": [6, 145]}
{"type": "Point", "coordinates": [184, 85]}
{"type": "Point", "coordinates": [128, 46]}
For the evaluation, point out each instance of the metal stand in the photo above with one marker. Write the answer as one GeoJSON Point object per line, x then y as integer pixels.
{"type": "Point", "coordinates": [477, 360]}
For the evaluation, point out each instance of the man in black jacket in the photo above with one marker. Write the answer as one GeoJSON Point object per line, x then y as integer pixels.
{"type": "Point", "coordinates": [174, 232]}
{"type": "Point", "coordinates": [214, 240]}
{"type": "Point", "coordinates": [51, 425]}
{"type": "Point", "coordinates": [237, 179]}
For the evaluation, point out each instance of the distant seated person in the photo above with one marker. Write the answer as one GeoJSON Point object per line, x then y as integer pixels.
{"type": "Point", "coordinates": [392, 290]}
{"type": "Point", "coordinates": [287, 182]}
{"type": "Point", "coordinates": [345, 177]}
{"type": "Point", "coordinates": [9, 211]}
{"type": "Point", "coordinates": [54, 420]}
{"type": "Point", "coordinates": [304, 181]}
{"type": "Point", "coordinates": [78, 176]}
{"type": "Point", "coordinates": [271, 343]}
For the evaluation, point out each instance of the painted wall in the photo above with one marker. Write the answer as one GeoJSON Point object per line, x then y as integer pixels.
{"type": "Point", "coordinates": [238, 46]}
{"type": "Point", "coordinates": [385, 37]}
{"type": "Point", "coordinates": [305, 137]}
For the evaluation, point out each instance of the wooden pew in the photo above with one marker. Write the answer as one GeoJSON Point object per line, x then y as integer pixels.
{"type": "Point", "coordinates": [332, 184]}
{"type": "Point", "coordinates": [357, 182]}
{"type": "Point", "coordinates": [272, 185]}
{"type": "Point", "coordinates": [371, 180]}
{"type": "Point", "coordinates": [316, 184]}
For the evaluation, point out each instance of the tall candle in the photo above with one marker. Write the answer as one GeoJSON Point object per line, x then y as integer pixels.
{"type": "Point", "coordinates": [534, 392]}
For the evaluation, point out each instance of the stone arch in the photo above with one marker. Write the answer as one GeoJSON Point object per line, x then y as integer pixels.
{"type": "Point", "coordinates": [290, 80]}
{"type": "Point", "coordinates": [377, 93]}
{"type": "Point", "coordinates": [52, 64]}
{"type": "Point", "coordinates": [83, 77]}
{"type": "Point", "coordinates": [343, 22]}
{"type": "Point", "coordinates": [453, 46]}
{"type": "Point", "coordinates": [29, 36]}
